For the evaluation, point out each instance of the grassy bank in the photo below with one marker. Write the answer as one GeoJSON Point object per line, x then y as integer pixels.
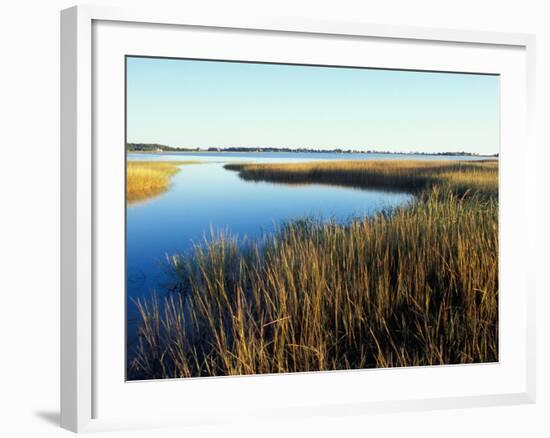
{"type": "Point", "coordinates": [147, 179]}
{"type": "Point", "coordinates": [409, 175]}
{"type": "Point", "coordinates": [416, 285]}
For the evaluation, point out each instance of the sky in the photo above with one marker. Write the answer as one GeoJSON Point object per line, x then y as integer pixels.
{"type": "Point", "coordinates": [189, 103]}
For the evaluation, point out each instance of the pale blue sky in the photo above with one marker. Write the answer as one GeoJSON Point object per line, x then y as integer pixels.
{"type": "Point", "coordinates": [211, 103]}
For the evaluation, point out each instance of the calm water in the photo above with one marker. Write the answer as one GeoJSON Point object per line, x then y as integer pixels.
{"type": "Point", "coordinates": [206, 196]}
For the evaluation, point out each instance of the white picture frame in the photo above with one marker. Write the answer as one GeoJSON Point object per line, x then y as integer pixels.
{"type": "Point", "coordinates": [81, 365]}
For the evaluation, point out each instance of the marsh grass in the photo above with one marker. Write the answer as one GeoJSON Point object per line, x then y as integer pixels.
{"type": "Point", "coordinates": [147, 179]}
{"type": "Point", "coordinates": [408, 175]}
{"type": "Point", "coordinates": [416, 285]}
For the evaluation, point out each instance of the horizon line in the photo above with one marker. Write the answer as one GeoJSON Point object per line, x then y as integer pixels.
{"type": "Point", "coordinates": [312, 148]}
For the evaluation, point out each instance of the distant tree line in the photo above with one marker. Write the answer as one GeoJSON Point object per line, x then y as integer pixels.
{"type": "Point", "coordinates": [154, 147]}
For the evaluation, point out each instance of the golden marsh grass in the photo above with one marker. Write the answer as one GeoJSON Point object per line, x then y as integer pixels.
{"type": "Point", "coordinates": [416, 285]}
{"type": "Point", "coordinates": [147, 179]}
{"type": "Point", "coordinates": [408, 175]}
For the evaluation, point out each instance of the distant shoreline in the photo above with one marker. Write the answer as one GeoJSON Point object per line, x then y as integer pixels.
{"type": "Point", "coordinates": [311, 151]}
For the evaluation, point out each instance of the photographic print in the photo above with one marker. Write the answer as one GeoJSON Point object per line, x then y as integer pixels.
{"type": "Point", "coordinates": [289, 218]}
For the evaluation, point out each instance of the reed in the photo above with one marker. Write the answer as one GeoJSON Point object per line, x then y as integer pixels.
{"type": "Point", "coordinates": [416, 285]}
{"type": "Point", "coordinates": [147, 179]}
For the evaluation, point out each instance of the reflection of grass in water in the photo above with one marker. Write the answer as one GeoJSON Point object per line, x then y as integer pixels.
{"type": "Point", "coordinates": [147, 179]}
{"type": "Point", "coordinates": [416, 285]}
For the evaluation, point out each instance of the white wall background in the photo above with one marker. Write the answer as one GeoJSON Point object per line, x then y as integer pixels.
{"type": "Point", "coordinates": [29, 215]}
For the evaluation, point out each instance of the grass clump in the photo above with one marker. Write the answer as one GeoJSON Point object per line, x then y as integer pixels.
{"type": "Point", "coordinates": [147, 179]}
{"type": "Point", "coordinates": [416, 285]}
